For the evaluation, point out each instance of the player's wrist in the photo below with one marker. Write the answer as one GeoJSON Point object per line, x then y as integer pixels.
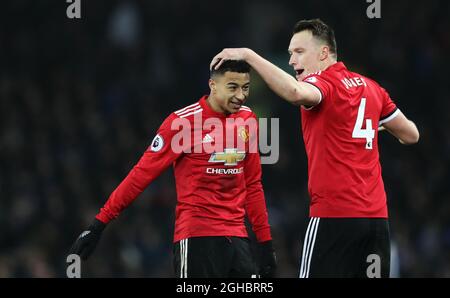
{"type": "Point", "coordinates": [267, 245]}
{"type": "Point", "coordinates": [97, 226]}
{"type": "Point", "coordinates": [263, 235]}
{"type": "Point", "coordinates": [248, 55]}
{"type": "Point", "coordinates": [268, 262]}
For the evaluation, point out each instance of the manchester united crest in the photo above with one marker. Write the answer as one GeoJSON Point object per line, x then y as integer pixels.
{"type": "Point", "coordinates": [243, 133]}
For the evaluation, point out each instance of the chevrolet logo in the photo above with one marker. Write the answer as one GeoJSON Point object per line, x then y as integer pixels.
{"type": "Point", "coordinates": [230, 157]}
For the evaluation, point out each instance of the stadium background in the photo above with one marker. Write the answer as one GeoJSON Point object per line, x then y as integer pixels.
{"type": "Point", "coordinates": [80, 100]}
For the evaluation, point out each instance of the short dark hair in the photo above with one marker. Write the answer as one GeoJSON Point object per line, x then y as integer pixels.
{"type": "Point", "coordinates": [319, 30]}
{"type": "Point", "coordinates": [239, 66]}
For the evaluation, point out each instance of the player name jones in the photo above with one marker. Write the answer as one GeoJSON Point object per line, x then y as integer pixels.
{"type": "Point", "coordinates": [353, 82]}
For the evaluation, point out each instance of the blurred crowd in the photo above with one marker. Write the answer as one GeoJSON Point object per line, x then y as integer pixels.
{"type": "Point", "coordinates": [81, 100]}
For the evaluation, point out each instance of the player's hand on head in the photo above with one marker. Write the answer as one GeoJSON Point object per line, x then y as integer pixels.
{"type": "Point", "coordinates": [228, 54]}
{"type": "Point", "coordinates": [87, 241]}
{"type": "Point", "coordinates": [267, 260]}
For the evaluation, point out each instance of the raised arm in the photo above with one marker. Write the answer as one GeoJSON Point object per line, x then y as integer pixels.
{"type": "Point", "coordinates": [282, 83]}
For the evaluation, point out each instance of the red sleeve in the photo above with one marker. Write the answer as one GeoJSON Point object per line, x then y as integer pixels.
{"type": "Point", "coordinates": [255, 204]}
{"type": "Point", "coordinates": [389, 108]}
{"type": "Point", "coordinates": [320, 83]}
{"type": "Point", "coordinates": [153, 162]}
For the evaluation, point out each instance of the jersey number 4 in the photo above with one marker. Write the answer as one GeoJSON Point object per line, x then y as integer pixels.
{"type": "Point", "coordinates": [367, 133]}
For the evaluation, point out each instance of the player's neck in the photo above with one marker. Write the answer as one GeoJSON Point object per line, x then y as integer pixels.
{"type": "Point", "coordinates": [211, 102]}
{"type": "Point", "coordinates": [327, 63]}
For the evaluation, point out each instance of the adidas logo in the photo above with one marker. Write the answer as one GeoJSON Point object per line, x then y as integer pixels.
{"type": "Point", "coordinates": [207, 139]}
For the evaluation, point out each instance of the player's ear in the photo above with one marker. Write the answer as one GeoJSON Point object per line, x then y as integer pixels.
{"type": "Point", "coordinates": [324, 52]}
{"type": "Point", "coordinates": [212, 85]}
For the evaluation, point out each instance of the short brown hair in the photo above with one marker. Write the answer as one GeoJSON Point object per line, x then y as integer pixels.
{"type": "Point", "coordinates": [319, 30]}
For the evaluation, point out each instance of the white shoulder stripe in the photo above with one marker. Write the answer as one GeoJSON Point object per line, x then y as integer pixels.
{"type": "Point", "coordinates": [191, 113]}
{"type": "Point", "coordinates": [318, 73]}
{"type": "Point", "coordinates": [246, 107]}
{"type": "Point", "coordinates": [190, 106]}
{"type": "Point", "coordinates": [247, 110]}
{"type": "Point", "coordinates": [188, 111]}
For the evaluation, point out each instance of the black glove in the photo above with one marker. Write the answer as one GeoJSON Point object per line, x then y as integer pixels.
{"type": "Point", "coordinates": [267, 259]}
{"type": "Point", "coordinates": [87, 241]}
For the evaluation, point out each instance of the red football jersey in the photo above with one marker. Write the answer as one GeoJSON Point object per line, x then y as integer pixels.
{"type": "Point", "coordinates": [217, 172]}
{"type": "Point", "coordinates": [340, 135]}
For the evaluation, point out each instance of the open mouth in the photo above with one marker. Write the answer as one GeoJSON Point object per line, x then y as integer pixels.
{"type": "Point", "coordinates": [298, 72]}
{"type": "Point", "coordinates": [236, 103]}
